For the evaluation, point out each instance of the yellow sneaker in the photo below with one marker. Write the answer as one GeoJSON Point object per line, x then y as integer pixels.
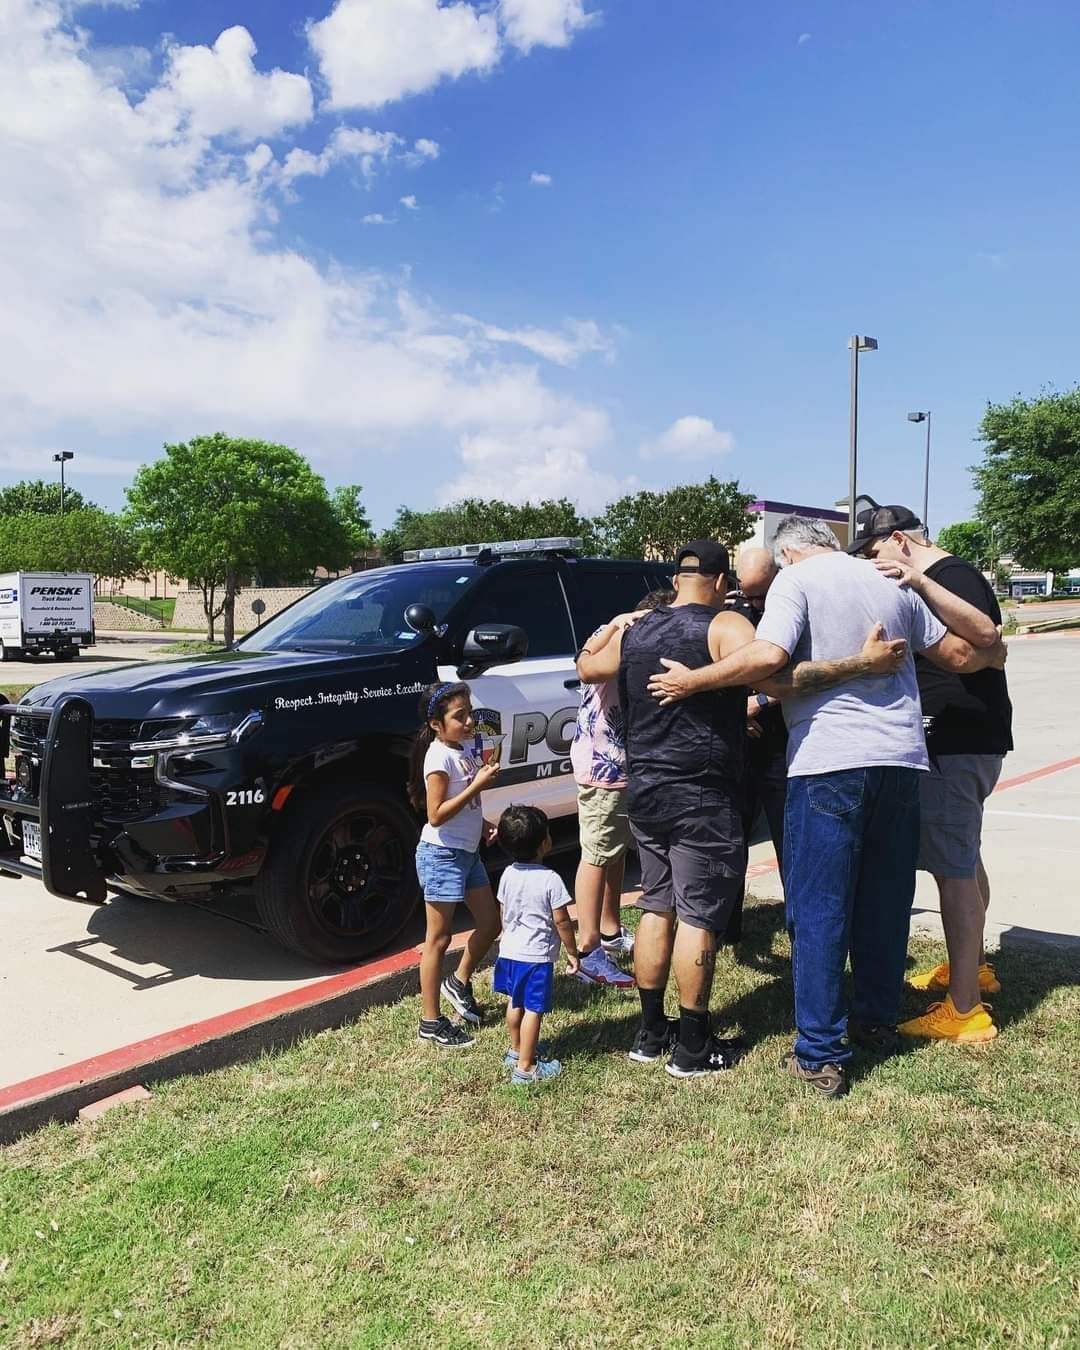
{"type": "Point", "coordinates": [941, 1022]}
{"type": "Point", "coordinates": [937, 980]}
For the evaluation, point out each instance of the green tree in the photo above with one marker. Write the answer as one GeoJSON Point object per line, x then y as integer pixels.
{"type": "Point", "coordinates": [655, 524]}
{"type": "Point", "coordinates": [968, 539]}
{"type": "Point", "coordinates": [472, 521]}
{"type": "Point", "coordinates": [218, 509]}
{"type": "Point", "coordinates": [350, 511]}
{"type": "Point", "coordinates": [38, 498]}
{"type": "Point", "coordinates": [1029, 480]}
{"type": "Point", "coordinates": [88, 540]}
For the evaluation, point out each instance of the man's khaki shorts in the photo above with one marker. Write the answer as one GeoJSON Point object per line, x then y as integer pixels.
{"type": "Point", "coordinates": [603, 823]}
{"type": "Point", "coordinates": [951, 800]}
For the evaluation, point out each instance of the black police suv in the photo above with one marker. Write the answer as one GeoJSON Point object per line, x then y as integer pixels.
{"type": "Point", "coordinates": [280, 765]}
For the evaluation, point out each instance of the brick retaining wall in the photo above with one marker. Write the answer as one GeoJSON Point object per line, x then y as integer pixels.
{"type": "Point", "coordinates": [119, 617]}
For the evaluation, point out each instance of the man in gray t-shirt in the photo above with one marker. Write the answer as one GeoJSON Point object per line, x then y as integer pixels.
{"type": "Point", "coordinates": [851, 822]}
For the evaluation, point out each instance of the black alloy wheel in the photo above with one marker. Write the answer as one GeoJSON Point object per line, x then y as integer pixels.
{"type": "Point", "coordinates": [340, 881]}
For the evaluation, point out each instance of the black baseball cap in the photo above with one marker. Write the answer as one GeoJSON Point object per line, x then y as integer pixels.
{"type": "Point", "coordinates": [878, 522]}
{"type": "Point", "coordinates": [712, 558]}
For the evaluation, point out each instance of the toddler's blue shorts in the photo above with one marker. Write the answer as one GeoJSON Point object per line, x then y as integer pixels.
{"type": "Point", "coordinates": [447, 873]}
{"type": "Point", "coordinates": [528, 984]}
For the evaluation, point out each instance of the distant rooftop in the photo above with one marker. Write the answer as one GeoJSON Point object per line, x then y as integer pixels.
{"type": "Point", "coordinates": [790, 509]}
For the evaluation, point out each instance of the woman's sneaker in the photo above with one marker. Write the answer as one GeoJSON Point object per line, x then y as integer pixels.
{"type": "Point", "coordinates": [545, 1069]}
{"type": "Point", "coordinates": [599, 968]}
{"type": "Point", "coordinates": [443, 1033]}
{"type": "Point", "coordinates": [717, 1056]}
{"type": "Point", "coordinates": [623, 945]}
{"type": "Point", "coordinates": [460, 998]}
{"type": "Point", "coordinates": [650, 1046]}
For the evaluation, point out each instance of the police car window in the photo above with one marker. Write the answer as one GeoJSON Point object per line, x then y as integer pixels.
{"type": "Point", "coordinates": [532, 600]}
{"type": "Point", "coordinates": [602, 592]}
{"type": "Point", "coordinates": [365, 613]}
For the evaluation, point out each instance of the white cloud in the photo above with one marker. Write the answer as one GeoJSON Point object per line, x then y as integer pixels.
{"type": "Point", "coordinates": [543, 23]}
{"type": "Point", "coordinates": [217, 91]}
{"type": "Point", "coordinates": [690, 438]}
{"type": "Point", "coordinates": [540, 179]}
{"type": "Point", "coordinates": [534, 462]}
{"type": "Point", "coordinates": [373, 52]}
{"type": "Point", "coordinates": [423, 152]}
{"type": "Point", "coordinates": [376, 218]}
{"type": "Point", "coordinates": [803, 39]}
{"type": "Point", "coordinates": [148, 296]}
{"type": "Point", "coordinates": [564, 347]}
{"type": "Point", "coordinates": [410, 203]}
{"type": "Point", "coordinates": [366, 148]}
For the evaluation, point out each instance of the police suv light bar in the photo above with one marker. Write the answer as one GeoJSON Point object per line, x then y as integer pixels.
{"type": "Point", "coordinates": [505, 548]}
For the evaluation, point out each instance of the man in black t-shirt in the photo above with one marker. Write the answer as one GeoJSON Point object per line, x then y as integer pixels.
{"type": "Point", "coordinates": [968, 723]}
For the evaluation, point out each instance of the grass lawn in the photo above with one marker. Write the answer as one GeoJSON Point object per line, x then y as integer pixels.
{"type": "Point", "coordinates": [194, 647]}
{"type": "Point", "coordinates": [163, 609]}
{"type": "Point", "coordinates": [363, 1189]}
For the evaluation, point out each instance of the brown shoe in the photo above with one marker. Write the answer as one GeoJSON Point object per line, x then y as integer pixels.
{"type": "Point", "coordinates": [830, 1080]}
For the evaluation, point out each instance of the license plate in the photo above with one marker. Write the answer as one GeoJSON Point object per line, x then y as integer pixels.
{"type": "Point", "coordinates": [31, 838]}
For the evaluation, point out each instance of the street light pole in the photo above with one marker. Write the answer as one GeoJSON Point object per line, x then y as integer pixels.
{"type": "Point", "coordinates": [857, 344]}
{"type": "Point", "coordinates": [924, 417]}
{"type": "Point", "coordinates": [61, 459]}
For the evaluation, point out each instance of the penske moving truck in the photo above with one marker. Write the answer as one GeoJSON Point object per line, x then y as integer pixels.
{"type": "Point", "coordinates": [45, 612]}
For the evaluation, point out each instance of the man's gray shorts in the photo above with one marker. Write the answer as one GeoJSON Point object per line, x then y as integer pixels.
{"type": "Point", "coordinates": [693, 866]}
{"type": "Point", "coordinates": [951, 800]}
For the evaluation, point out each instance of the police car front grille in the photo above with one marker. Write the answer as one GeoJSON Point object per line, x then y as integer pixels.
{"type": "Point", "coordinates": [121, 792]}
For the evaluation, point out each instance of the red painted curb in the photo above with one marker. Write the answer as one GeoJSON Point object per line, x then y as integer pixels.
{"type": "Point", "coordinates": [1037, 773]}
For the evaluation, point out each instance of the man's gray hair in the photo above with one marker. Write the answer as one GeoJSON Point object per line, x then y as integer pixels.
{"type": "Point", "coordinates": [802, 533]}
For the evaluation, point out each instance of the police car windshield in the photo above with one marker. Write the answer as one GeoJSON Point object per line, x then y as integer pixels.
{"type": "Point", "coordinates": [362, 613]}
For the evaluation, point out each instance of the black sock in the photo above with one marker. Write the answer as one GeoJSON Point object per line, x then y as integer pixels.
{"type": "Point", "coordinates": [652, 1009]}
{"type": "Point", "coordinates": [609, 937]}
{"type": "Point", "coordinates": [693, 1030]}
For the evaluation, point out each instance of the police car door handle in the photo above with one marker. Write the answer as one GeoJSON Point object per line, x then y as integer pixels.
{"type": "Point", "coordinates": [571, 684]}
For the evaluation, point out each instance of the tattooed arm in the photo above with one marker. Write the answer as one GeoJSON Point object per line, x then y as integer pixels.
{"type": "Point", "coordinates": [879, 656]}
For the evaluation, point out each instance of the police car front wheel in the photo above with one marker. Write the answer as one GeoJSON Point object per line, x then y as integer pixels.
{"type": "Point", "coordinates": [340, 881]}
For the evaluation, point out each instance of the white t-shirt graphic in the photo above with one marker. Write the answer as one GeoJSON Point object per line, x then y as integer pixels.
{"type": "Point", "coordinates": [466, 828]}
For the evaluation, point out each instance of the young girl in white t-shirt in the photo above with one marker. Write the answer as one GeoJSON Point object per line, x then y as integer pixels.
{"type": "Point", "coordinates": [445, 783]}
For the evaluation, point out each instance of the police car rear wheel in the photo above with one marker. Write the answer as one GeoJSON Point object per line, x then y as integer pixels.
{"type": "Point", "coordinates": [340, 881]}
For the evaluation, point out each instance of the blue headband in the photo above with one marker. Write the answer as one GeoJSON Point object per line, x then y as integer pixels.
{"type": "Point", "coordinates": [435, 698]}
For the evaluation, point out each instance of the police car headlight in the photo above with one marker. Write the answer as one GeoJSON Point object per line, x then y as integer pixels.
{"type": "Point", "coordinates": [208, 731]}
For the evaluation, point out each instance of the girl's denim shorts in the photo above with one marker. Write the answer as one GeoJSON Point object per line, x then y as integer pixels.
{"type": "Point", "coordinates": [447, 873]}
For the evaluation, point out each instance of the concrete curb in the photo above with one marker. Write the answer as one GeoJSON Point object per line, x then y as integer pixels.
{"type": "Point", "coordinates": [230, 1038]}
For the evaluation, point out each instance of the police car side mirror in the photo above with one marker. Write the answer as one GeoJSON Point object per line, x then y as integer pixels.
{"type": "Point", "coordinates": [420, 618]}
{"type": "Point", "coordinates": [492, 644]}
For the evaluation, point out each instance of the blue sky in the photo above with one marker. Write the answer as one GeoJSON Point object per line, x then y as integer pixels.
{"type": "Point", "coordinates": [337, 240]}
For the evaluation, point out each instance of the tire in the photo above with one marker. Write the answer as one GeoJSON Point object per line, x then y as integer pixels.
{"type": "Point", "coordinates": [340, 879]}
{"type": "Point", "coordinates": [9, 653]}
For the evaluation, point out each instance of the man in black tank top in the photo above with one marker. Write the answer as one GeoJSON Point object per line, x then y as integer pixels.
{"type": "Point", "coordinates": [684, 765]}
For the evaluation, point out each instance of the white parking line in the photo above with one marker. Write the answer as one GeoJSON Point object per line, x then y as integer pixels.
{"type": "Point", "coordinates": [1030, 815]}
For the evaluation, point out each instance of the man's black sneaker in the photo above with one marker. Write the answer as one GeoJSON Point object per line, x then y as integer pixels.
{"type": "Point", "coordinates": [460, 998]}
{"type": "Point", "coordinates": [829, 1080]}
{"type": "Point", "coordinates": [443, 1033]}
{"type": "Point", "coordinates": [718, 1055]}
{"type": "Point", "coordinates": [650, 1046]}
{"type": "Point", "coordinates": [877, 1037]}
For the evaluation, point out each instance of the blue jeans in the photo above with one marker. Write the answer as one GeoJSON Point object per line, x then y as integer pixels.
{"type": "Point", "coordinates": [851, 841]}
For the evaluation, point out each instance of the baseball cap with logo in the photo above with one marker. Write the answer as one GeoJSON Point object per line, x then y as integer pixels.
{"type": "Point", "coordinates": [878, 522]}
{"type": "Point", "coordinates": [712, 558]}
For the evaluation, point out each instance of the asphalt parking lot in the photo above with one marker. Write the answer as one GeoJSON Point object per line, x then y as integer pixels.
{"type": "Point", "coordinates": [111, 649]}
{"type": "Point", "coordinates": [77, 981]}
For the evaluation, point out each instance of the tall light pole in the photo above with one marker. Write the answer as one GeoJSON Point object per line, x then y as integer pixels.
{"type": "Point", "coordinates": [924, 417]}
{"type": "Point", "coordinates": [856, 344]}
{"type": "Point", "coordinates": [61, 459]}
